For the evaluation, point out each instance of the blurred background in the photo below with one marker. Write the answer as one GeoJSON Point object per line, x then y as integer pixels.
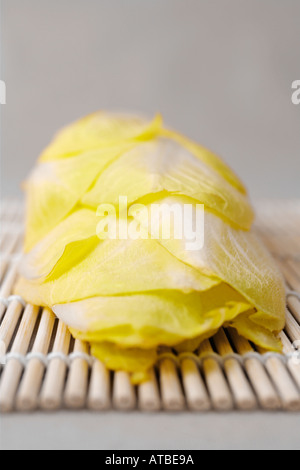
{"type": "Point", "coordinates": [219, 71]}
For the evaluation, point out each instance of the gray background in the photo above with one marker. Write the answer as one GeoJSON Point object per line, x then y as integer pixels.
{"type": "Point", "coordinates": [219, 71]}
{"type": "Point", "coordinates": [128, 431]}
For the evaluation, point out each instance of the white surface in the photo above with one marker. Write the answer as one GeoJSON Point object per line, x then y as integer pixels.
{"type": "Point", "coordinates": [111, 431]}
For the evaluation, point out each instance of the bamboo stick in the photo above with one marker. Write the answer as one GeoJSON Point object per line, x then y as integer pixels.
{"type": "Point", "coordinates": [171, 390]}
{"type": "Point", "coordinates": [290, 276]}
{"type": "Point", "coordinates": [292, 327]}
{"type": "Point", "coordinates": [77, 383]}
{"type": "Point", "coordinates": [148, 394]}
{"type": "Point", "coordinates": [9, 211]}
{"type": "Point", "coordinates": [289, 394]}
{"type": "Point", "coordinates": [20, 245]}
{"type": "Point", "coordinates": [8, 283]}
{"type": "Point", "coordinates": [241, 389]}
{"type": "Point", "coordinates": [281, 236]}
{"type": "Point", "coordinates": [99, 391]}
{"type": "Point", "coordinates": [294, 283]}
{"type": "Point", "coordinates": [294, 266]}
{"type": "Point", "coordinates": [268, 216]}
{"type": "Point", "coordinates": [215, 380]}
{"type": "Point", "coordinates": [292, 363]}
{"type": "Point", "coordinates": [294, 262]}
{"type": "Point", "coordinates": [11, 229]}
{"type": "Point", "coordinates": [3, 266]}
{"type": "Point", "coordinates": [27, 397]}
{"type": "Point", "coordinates": [12, 240]}
{"type": "Point", "coordinates": [124, 398]}
{"type": "Point", "coordinates": [195, 391]}
{"type": "Point", "coordinates": [9, 324]}
{"type": "Point", "coordinates": [3, 236]}
{"type": "Point", "coordinates": [52, 390]}
{"type": "Point", "coordinates": [294, 306]}
{"type": "Point", "coordinates": [261, 383]}
{"type": "Point", "coordinates": [20, 214]}
{"type": "Point", "coordinates": [272, 243]}
{"type": "Point", "coordinates": [3, 233]}
{"type": "Point", "coordinates": [13, 369]}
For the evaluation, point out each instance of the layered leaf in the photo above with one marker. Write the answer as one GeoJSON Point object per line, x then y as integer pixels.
{"type": "Point", "coordinates": [207, 157]}
{"type": "Point", "coordinates": [147, 320]}
{"type": "Point", "coordinates": [54, 188]}
{"type": "Point", "coordinates": [79, 226]}
{"type": "Point", "coordinates": [234, 256]}
{"type": "Point", "coordinates": [99, 131]}
{"type": "Point", "coordinates": [113, 267]}
{"type": "Point", "coordinates": [162, 165]}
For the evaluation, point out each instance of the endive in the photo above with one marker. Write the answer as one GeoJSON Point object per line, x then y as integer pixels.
{"type": "Point", "coordinates": [128, 297]}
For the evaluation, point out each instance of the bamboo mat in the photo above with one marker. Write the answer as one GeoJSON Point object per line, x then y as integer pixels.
{"type": "Point", "coordinates": [42, 367]}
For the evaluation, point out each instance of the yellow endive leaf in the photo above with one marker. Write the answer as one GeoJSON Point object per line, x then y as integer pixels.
{"type": "Point", "coordinates": [135, 361]}
{"type": "Point", "coordinates": [163, 165]}
{"type": "Point", "coordinates": [54, 188]}
{"type": "Point", "coordinates": [98, 131]}
{"type": "Point", "coordinates": [113, 267]}
{"type": "Point", "coordinates": [40, 261]}
{"type": "Point", "coordinates": [255, 333]}
{"type": "Point", "coordinates": [234, 256]}
{"type": "Point", "coordinates": [148, 320]}
{"type": "Point", "coordinates": [208, 157]}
